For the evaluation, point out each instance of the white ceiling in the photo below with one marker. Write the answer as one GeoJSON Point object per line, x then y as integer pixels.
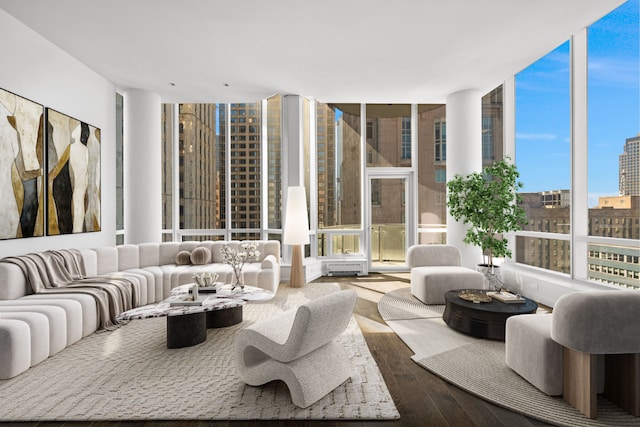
{"type": "Point", "coordinates": [378, 51]}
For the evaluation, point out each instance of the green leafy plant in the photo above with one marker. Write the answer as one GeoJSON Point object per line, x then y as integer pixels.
{"type": "Point", "coordinates": [489, 203]}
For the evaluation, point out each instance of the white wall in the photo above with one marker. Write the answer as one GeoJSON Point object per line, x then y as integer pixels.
{"type": "Point", "coordinates": [35, 69]}
{"type": "Point", "coordinates": [544, 286]}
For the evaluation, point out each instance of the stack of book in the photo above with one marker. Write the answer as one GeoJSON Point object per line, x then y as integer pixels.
{"type": "Point", "coordinates": [506, 297]}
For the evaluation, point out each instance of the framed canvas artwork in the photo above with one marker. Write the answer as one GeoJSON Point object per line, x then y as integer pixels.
{"type": "Point", "coordinates": [73, 184]}
{"type": "Point", "coordinates": [21, 167]}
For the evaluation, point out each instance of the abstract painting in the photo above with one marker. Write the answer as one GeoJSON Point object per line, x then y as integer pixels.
{"type": "Point", "coordinates": [21, 167]}
{"type": "Point", "coordinates": [73, 165]}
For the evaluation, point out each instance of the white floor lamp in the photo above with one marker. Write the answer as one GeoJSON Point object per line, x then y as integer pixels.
{"type": "Point", "coordinates": [296, 231]}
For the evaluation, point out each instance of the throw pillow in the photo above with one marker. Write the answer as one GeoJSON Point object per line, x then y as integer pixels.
{"type": "Point", "coordinates": [200, 256]}
{"type": "Point", "coordinates": [183, 258]}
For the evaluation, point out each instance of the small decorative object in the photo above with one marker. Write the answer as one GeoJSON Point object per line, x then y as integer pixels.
{"type": "Point", "coordinates": [238, 258]}
{"type": "Point", "coordinates": [193, 291]}
{"type": "Point", "coordinates": [474, 296]}
{"type": "Point", "coordinates": [205, 279]}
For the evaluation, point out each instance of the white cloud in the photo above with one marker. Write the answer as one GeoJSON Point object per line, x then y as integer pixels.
{"type": "Point", "coordinates": [536, 136]}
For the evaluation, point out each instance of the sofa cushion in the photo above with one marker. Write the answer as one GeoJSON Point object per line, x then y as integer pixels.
{"type": "Point", "coordinates": [13, 284]}
{"type": "Point", "coordinates": [183, 258]}
{"type": "Point", "coordinates": [149, 254]}
{"type": "Point", "coordinates": [90, 261]}
{"type": "Point", "coordinates": [200, 256]}
{"type": "Point", "coordinates": [128, 257]}
{"type": "Point", "coordinates": [168, 252]}
{"type": "Point", "coordinates": [107, 259]}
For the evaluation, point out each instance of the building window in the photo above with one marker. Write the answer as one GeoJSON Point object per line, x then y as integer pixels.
{"type": "Point", "coordinates": [440, 140]}
{"type": "Point", "coordinates": [406, 138]}
{"type": "Point", "coordinates": [487, 138]}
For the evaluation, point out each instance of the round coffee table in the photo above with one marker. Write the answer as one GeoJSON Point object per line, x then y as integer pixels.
{"type": "Point", "coordinates": [484, 319]}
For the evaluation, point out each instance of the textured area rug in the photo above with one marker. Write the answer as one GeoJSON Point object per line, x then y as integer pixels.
{"type": "Point", "coordinates": [479, 367]}
{"type": "Point", "coordinates": [129, 374]}
{"type": "Point", "coordinates": [400, 304]}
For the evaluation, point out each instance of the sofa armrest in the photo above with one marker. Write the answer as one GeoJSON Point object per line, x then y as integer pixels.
{"type": "Point", "coordinates": [269, 262]}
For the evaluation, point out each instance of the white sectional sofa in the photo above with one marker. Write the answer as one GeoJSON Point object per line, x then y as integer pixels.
{"type": "Point", "coordinates": [32, 325]}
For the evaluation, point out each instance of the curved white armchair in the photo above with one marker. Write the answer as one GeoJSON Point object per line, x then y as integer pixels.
{"type": "Point", "coordinates": [298, 348]}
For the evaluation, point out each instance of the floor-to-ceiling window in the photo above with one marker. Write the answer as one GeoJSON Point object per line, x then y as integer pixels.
{"type": "Point", "coordinates": [274, 167]}
{"type": "Point", "coordinates": [543, 153]}
{"type": "Point", "coordinates": [614, 147]}
{"type": "Point", "coordinates": [432, 156]}
{"type": "Point", "coordinates": [553, 137]}
{"type": "Point", "coordinates": [119, 170]}
{"type": "Point", "coordinates": [216, 153]}
{"type": "Point", "coordinates": [388, 145]}
{"type": "Point", "coordinates": [339, 179]}
{"type": "Point", "coordinates": [200, 169]}
{"type": "Point", "coordinates": [167, 171]}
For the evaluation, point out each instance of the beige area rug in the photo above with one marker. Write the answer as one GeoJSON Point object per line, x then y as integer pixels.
{"type": "Point", "coordinates": [382, 282]}
{"type": "Point", "coordinates": [478, 366]}
{"type": "Point", "coordinates": [129, 374]}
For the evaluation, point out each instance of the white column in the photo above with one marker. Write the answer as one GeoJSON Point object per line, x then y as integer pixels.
{"type": "Point", "coordinates": [464, 156]}
{"type": "Point", "coordinates": [293, 151]}
{"type": "Point", "coordinates": [142, 148]}
{"type": "Point", "coordinates": [509, 135]}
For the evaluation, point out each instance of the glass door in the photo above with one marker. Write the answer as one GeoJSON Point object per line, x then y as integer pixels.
{"type": "Point", "coordinates": [388, 213]}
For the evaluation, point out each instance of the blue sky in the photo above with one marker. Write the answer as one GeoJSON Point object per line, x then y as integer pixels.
{"type": "Point", "coordinates": [542, 107]}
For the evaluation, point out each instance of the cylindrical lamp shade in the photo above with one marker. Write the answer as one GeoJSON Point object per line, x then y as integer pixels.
{"type": "Point", "coordinates": [296, 226]}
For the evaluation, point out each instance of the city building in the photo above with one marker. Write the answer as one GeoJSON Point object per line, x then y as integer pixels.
{"type": "Point", "coordinates": [630, 168]}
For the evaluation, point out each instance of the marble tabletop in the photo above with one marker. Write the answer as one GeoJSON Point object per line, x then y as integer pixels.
{"type": "Point", "coordinates": [248, 293]}
{"type": "Point", "coordinates": [165, 308]}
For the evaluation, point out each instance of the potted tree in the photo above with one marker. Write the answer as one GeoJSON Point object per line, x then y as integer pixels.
{"type": "Point", "coordinates": [489, 203]}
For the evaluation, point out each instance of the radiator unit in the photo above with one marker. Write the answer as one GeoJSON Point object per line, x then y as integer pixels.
{"type": "Point", "coordinates": [344, 269]}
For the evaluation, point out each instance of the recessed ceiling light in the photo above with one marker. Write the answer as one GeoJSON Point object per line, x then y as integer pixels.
{"type": "Point", "coordinates": [171, 84]}
{"type": "Point", "coordinates": [226, 84]}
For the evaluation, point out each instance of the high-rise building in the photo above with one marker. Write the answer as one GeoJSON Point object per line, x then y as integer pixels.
{"type": "Point", "coordinates": [245, 197]}
{"type": "Point", "coordinates": [615, 216]}
{"type": "Point", "coordinates": [629, 181]}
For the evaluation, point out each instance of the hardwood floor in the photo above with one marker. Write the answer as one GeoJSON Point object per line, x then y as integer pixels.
{"type": "Point", "coordinates": [422, 398]}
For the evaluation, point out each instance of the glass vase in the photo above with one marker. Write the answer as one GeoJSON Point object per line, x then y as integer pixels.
{"type": "Point", "coordinates": [238, 280]}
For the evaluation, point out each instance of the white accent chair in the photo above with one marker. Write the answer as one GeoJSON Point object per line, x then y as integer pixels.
{"type": "Point", "coordinates": [590, 344]}
{"type": "Point", "coordinates": [298, 347]}
{"type": "Point", "coordinates": [436, 269]}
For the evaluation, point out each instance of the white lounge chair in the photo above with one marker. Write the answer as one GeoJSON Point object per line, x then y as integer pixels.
{"type": "Point", "coordinates": [298, 348]}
